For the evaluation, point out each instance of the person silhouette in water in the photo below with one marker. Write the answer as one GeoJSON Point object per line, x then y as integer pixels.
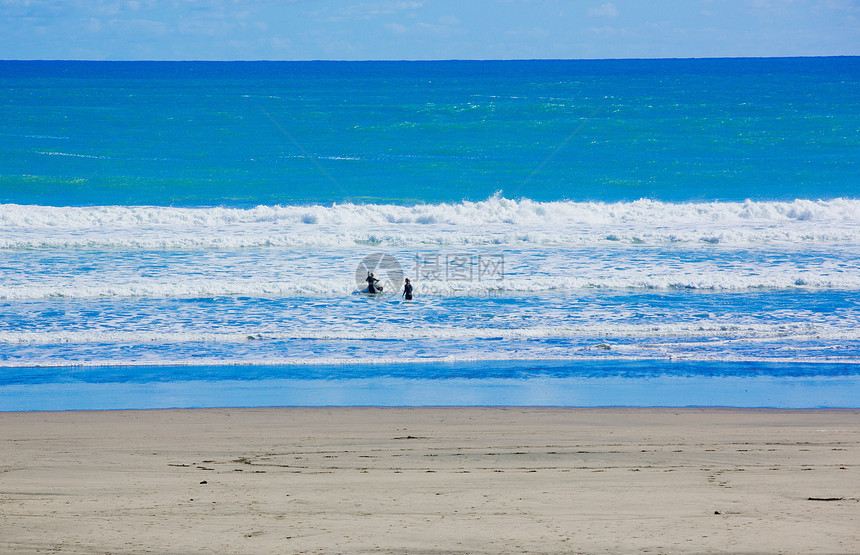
{"type": "Point", "coordinates": [407, 290]}
{"type": "Point", "coordinates": [371, 283]}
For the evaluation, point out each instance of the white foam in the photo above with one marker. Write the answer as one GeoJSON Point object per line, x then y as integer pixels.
{"type": "Point", "coordinates": [552, 246]}
{"type": "Point", "coordinates": [90, 362]}
{"type": "Point", "coordinates": [495, 210]}
{"type": "Point", "coordinates": [717, 334]}
{"type": "Point", "coordinates": [494, 222]}
{"type": "Point", "coordinates": [205, 238]}
{"type": "Point", "coordinates": [306, 285]}
{"type": "Point", "coordinates": [73, 155]}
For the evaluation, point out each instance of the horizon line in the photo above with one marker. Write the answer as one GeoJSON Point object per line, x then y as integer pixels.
{"type": "Point", "coordinates": [405, 60]}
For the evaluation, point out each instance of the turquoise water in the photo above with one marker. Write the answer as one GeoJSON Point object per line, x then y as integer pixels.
{"type": "Point", "coordinates": [634, 224]}
{"type": "Point", "coordinates": [242, 134]}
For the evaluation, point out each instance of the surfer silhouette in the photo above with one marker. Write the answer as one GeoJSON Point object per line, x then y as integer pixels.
{"type": "Point", "coordinates": [407, 290]}
{"type": "Point", "coordinates": [372, 283]}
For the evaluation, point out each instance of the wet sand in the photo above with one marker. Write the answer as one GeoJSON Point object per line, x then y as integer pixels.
{"type": "Point", "coordinates": [430, 481]}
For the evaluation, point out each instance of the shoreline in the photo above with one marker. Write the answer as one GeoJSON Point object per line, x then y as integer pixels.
{"type": "Point", "coordinates": [777, 392]}
{"type": "Point", "coordinates": [431, 480]}
{"type": "Point", "coordinates": [603, 383]}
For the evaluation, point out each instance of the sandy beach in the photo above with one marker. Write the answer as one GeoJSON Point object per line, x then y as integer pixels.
{"type": "Point", "coordinates": [430, 481]}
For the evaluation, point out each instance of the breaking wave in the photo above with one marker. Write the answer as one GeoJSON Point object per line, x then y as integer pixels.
{"type": "Point", "coordinates": [495, 221]}
{"type": "Point", "coordinates": [340, 286]}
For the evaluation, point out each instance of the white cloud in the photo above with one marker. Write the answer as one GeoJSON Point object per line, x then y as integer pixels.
{"type": "Point", "coordinates": [605, 10]}
{"type": "Point", "coordinates": [367, 10]}
{"type": "Point", "coordinates": [604, 31]}
{"type": "Point", "coordinates": [93, 24]}
{"type": "Point", "coordinates": [396, 28]}
{"type": "Point", "coordinates": [439, 30]}
{"type": "Point", "coordinates": [840, 6]}
{"type": "Point", "coordinates": [529, 33]}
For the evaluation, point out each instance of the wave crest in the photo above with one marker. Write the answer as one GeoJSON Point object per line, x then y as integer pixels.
{"type": "Point", "coordinates": [494, 221]}
{"type": "Point", "coordinates": [494, 210]}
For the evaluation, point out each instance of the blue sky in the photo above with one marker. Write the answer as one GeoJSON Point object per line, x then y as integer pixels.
{"type": "Point", "coordinates": [421, 30]}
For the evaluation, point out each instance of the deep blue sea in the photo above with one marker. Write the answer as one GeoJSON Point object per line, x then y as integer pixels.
{"type": "Point", "coordinates": [578, 233]}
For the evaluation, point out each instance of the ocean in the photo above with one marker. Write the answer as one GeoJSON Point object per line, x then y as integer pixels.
{"type": "Point", "coordinates": [578, 233]}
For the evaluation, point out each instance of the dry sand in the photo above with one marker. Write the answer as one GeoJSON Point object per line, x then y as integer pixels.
{"type": "Point", "coordinates": [430, 481]}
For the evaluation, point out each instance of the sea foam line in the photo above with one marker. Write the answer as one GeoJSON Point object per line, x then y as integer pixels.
{"type": "Point", "coordinates": [343, 286]}
{"type": "Point", "coordinates": [390, 361]}
{"type": "Point", "coordinates": [73, 155]}
{"type": "Point", "coordinates": [494, 210]}
{"type": "Point", "coordinates": [602, 237]}
{"type": "Point", "coordinates": [721, 333]}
